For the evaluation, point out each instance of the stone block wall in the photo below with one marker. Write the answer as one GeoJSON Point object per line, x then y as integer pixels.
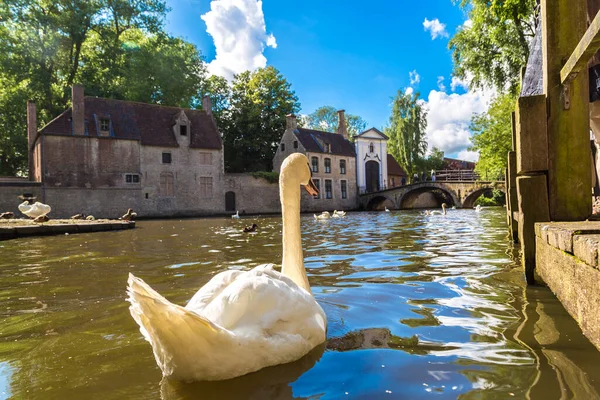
{"type": "Point", "coordinates": [10, 192]}
{"type": "Point", "coordinates": [252, 195]}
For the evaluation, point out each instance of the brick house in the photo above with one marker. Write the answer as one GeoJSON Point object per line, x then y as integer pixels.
{"type": "Point", "coordinates": [103, 156]}
{"type": "Point", "coordinates": [333, 162]}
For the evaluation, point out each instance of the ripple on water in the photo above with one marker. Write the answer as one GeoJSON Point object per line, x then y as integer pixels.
{"type": "Point", "coordinates": [416, 306]}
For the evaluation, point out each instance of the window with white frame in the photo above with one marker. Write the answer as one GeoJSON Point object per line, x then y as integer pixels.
{"type": "Point", "coordinates": [315, 164]}
{"type": "Point", "coordinates": [343, 167]}
{"type": "Point", "coordinates": [328, 165]}
{"type": "Point", "coordinates": [344, 189]}
{"type": "Point", "coordinates": [328, 189]}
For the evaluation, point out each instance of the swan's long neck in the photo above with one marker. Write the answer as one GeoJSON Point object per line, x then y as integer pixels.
{"type": "Point", "coordinates": [292, 265]}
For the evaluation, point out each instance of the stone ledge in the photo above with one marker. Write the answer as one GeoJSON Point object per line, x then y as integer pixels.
{"type": "Point", "coordinates": [30, 229]}
{"type": "Point", "coordinates": [575, 284]}
{"type": "Point", "coordinates": [561, 234]}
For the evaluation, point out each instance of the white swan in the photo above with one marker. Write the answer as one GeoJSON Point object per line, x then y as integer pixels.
{"type": "Point", "coordinates": [323, 215]}
{"type": "Point", "coordinates": [477, 208]}
{"type": "Point", "coordinates": [338, 214]}
{"type": "Point", "coordinates": [386, 209]}
{"type": "Point", "coordinates": [34, 210]}
{"type": "Point", "coordinates": [435, 212]}
{"type": "Point", "coordinates": [236, 215]}
{"type": "Point", "coordinates": [240, 321]}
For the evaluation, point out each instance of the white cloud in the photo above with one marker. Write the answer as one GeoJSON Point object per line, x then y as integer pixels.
{"type": "Point", "coordinates": [467, 24]}
{"type": "Point", "coordinates": [239, 32]}
{"type": "Point", "coordinates": [435, 27]}
{"type": "Point", "coordinates": [467, 155]}
{"type": "Point", "coordinates": [440, 83]}
{"type": "Point", "coordinates": [409, 90]}
{"type": "Point", "coordinates": [457, 82]}
{"type": "Point", "coordinates": [448, 119]}
{"type": "Point", "coordinates": [415, 78]}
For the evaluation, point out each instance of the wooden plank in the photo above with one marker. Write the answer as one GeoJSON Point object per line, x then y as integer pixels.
{"type": "Point", "coordinates": [585, 49]}
{"type": "Point", "coordinates": [569, 161]}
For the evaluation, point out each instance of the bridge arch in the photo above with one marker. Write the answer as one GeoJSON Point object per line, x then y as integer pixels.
{"type": "Point", "coordinates": [469, 201]}
{"type": "Point", "coordinates": [379, 202]}
{"type": "Point", "coordinates": [440, 194]}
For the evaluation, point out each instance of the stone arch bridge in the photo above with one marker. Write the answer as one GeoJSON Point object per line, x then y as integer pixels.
{"type": "Point", "coordinates": [461, 194]}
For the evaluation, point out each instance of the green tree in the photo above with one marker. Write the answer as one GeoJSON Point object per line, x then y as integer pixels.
{"type": "Point", "coordinates": [406, 131]}
{"type": "Point", "coordinates": [433, 162]}
{"type": "Point", "coordinates": [116, 48]}
{"type": "Point", "coordinates": [259, 102]}
{"type": "Point", "coordinates": [217, 88]}
{"type": "Point", "coordinates": [492, 136]}
{"type": "Point", "coordinates": [325, 118]}
{"type": "Point", "coordinates": [493, 48]}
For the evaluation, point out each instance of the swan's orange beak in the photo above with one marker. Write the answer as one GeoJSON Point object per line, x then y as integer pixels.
{"type": "Point", "coordinates": [311, 188]}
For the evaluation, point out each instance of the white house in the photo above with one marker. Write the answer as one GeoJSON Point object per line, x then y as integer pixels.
{"type": "Point", "coordinates": [371, 160]}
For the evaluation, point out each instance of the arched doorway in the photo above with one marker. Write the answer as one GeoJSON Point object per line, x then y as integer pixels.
{"type": "Point", "coordinates": [372, 176]}
{"type": "Point", "coordinates": [230, 201]}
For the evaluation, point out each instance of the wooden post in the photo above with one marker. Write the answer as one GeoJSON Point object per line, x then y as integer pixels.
{"type": "Point", "coordinates": [569, 172]}
{"type": "Point", "coordinates": [511, 195]}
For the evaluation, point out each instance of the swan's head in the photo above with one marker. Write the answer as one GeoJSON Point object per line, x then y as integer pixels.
{"type": "Point", "coordinates": [295, 168]}
{"type": "Point", "coordinates": [444, 205]}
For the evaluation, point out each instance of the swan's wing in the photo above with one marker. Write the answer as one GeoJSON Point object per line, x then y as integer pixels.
{"type": "Point", "coordinates": [211, 289]}
{"type": "Point", "coordinates": [264, 302]}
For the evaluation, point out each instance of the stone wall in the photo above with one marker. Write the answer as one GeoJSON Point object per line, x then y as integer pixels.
{"type": "Point", "coordinates": [88, 162]}
{"type": "Point", "coordinates": [195, 182]}
{"type": "Point", "coordinates": [311, 204]}
{"type": "Point", "coordinates": [99, 202]}
{"type": "Point", "coordinates": [253, 195]}
{"type": "Point", "coordinates": [10, 192]}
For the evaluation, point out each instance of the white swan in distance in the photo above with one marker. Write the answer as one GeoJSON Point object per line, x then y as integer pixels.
{"type": "Point", "coordinates": [435, 212]}
{"type": "Point", "coordinates": [338, 214]}
{"type": "Point", "coordinates": [477, 208]}
{"type": "Point", "coordinates": [322, 216]}
{"type": "Point", "coordinates": [236, 215]}
{"type": "Point", "coordinates": [387, 210]}
{"type": "Point", "coordinates": [34, 210]}
{"type": "Point", "coordinates": [240, 321]}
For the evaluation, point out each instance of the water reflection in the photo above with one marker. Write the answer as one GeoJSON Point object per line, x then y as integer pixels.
{"type": "Point", "coordinates": [417, 306]}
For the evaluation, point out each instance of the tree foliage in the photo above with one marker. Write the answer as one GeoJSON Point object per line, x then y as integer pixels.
{"type": "Point", "coordinates": [325, 118]}
{"type": "Point", "coordinates": [115, 48]}
{"type": "Point", "coordinates": [255, 121]}
{"type": "Point", "coordinates": [492, 136]}
{"type": "Point", "coordinates": [490, 51]}
{"type": "Point", "coordinates": [433, 162]}
{"type": "Point", "coordinates": [406, 131]}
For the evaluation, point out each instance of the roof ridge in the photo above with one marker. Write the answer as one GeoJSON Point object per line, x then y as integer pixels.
{"type": "Point", "coordinates": [145, 104]}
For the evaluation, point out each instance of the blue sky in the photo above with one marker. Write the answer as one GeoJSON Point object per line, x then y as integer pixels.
{"type": "Point", "coordinates": [347, 54]}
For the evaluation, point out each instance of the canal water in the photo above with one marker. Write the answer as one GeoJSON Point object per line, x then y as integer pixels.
{"type": "Point", "coordinates": [418, 307]}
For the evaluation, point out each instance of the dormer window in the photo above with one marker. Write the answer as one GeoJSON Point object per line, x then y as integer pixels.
{"type": "Point", "coordinates": [105, 124]}
{"type": "Point", "coordinates": [327, 148]}
{"type": "Point", "coordinates": [183, 130]}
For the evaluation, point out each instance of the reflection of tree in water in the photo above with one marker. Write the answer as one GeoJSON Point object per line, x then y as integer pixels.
{"type": "Point", "coordinates": [382, 338]}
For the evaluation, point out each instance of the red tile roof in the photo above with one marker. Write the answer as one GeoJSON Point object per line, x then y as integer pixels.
{"type": "Point", "coordinates": [393, 167]}
{"type": "Point", "coordinates": [314, 141]}
{"type": "Point", "coordinates": [150, 123]}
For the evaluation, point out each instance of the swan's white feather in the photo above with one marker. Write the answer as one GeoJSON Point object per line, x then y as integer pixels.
{"type": "Point", "coordinates": [34, 210]}
{"type": "Point", "coordinates": [239, 322]}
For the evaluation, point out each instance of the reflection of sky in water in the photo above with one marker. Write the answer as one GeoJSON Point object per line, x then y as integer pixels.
{"type": "Point", "coordinates": [417, 306]}
{"type": "Point", "coordinates": [5, 374]}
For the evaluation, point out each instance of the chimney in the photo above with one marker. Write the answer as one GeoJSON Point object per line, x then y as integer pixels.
{"type": "Point", "coordinates": [342, 124]}
{"type": "Point", "coordinates": [31, 134]}
{"type": "Point", "coordinates": [78, 112]}
{"type": "Point", "coordinates": [290, 122]}
{"type": "Point", "coordinates": [207, 105]}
